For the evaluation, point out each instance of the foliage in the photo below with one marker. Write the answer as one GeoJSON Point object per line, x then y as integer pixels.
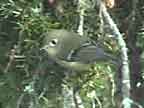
{"type": "Point", "coordinates": [30, 79]}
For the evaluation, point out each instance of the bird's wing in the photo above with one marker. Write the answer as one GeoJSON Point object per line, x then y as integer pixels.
{"type": "Point", "coordinates": [90, 54]}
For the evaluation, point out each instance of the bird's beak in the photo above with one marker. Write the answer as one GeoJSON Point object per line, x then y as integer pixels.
{"type": "Point", "coordinates": [41, 49]}
{"type": "Point", "coordinates": [44, 48]}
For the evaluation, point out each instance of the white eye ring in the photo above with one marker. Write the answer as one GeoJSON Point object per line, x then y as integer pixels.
{"type": "Point", "coordinates": [53, 42]}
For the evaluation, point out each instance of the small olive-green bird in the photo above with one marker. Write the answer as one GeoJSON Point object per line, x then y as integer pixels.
{"type": "Point", "coordinates": [73, 51]}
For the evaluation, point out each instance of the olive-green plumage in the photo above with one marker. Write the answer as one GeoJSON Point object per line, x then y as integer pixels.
{"type": "Point", "coordinates": [61, 42]}
{"type": "Point", "coordinates": [73, 51]}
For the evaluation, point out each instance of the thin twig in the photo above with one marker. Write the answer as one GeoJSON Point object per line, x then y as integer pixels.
{"type": "Point", "coordinates": [11, 59]}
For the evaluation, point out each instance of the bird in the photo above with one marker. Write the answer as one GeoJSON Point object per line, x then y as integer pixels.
{"type": "Point", "coordinates": [73, 51]}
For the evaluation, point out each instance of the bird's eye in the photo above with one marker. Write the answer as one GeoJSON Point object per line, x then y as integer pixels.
{"type": "Point", "coordinates": [53, 42]}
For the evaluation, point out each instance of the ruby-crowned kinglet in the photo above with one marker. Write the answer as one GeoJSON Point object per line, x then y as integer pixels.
{"type": "Point", "coordinates": [73, 51]}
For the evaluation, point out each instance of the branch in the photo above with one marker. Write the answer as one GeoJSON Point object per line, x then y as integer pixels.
{"type": "Point", "coordinates": [81, 10]}
{"type": "Point", "coordinates": [125, 66]}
